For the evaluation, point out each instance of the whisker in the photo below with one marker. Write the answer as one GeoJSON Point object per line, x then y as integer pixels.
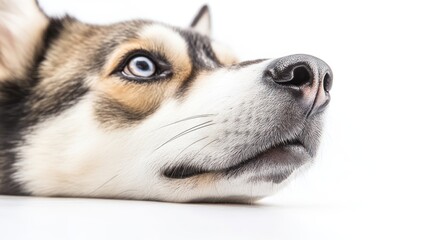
{"type": "Point", "coordinates": [175, 169]}
{"type": "Point", "coordinates": [205, 147]}
{"type": "Point", "coordinates": [196, 154]}
{"type": "Point", "coordinates": [192, 129]}
{"type": "Point", "coordinates": [188, 118]}
{"type": "Point", "coordinates": [104, 184]}
{"type": "Point", "coordinates": [188, 147]}
{"type": "Point", "coordinates": [183, 169]}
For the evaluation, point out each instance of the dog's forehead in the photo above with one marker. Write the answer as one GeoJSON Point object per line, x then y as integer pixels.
{"type": "Point", "coordinates": [198, 46]}
{"type": "Point", "coordinates": [166, 39]}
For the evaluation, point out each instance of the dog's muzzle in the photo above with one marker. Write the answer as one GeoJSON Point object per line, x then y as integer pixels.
{"type": "Point", "coordinates": [295, 90]}
{"type": "Point", "coordinates": [308, 78]}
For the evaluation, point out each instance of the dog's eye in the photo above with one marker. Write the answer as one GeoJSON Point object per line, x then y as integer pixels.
{"type": "Point", "coordinates": [140, 67]}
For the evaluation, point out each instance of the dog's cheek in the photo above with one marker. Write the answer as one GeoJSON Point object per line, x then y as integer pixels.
{"type": "Point", "coordinates": [121, 104]}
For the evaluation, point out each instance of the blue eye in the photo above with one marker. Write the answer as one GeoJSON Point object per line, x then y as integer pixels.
{"type": "Point", "coordinates": [140, 67]}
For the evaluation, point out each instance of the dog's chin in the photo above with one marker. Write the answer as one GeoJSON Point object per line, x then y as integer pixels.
{"type": "Point", "coordinates": [274, 164]}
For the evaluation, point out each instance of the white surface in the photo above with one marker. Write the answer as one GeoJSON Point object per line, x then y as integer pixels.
{"type": "Point", "coordinates": [36, 218]}
{"type": "Point", "coordinates": [370, 180]}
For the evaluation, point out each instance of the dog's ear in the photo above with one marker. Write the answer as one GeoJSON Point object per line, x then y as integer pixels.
{"type": "Point", "coordinates": [22, 24]}
{"type": "Point", "coordinates": [202, 22]}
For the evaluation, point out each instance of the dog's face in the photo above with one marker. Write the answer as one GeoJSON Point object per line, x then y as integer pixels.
{"type": "Point", "coordinates": [143, 110]}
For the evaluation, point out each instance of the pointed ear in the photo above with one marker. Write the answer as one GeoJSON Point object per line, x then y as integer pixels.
{"type": "Point", "coordinates": [202, 22]}
{"type": "Point", "coordinates": [22, 25]}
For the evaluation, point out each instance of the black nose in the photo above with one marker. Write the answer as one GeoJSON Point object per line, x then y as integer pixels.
{"type": "Point", "coordinates": [307, 75]}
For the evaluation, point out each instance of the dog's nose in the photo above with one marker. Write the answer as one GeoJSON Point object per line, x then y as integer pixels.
{"type": "Point", "coordinates": [309, 78]}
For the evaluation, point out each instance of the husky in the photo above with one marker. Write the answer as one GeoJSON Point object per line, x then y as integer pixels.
{"type": "Point", "coordinates": [147, 111]}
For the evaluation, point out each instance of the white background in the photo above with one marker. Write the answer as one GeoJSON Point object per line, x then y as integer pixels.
{"type": "Point", "coordinates": [371, 178]}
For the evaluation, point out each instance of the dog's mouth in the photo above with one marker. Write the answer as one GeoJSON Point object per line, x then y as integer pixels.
{"type": "Point", "coordinates": [278, 159]}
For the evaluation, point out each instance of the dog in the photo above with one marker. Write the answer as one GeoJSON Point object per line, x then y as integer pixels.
{"type": "Point", "coordinates": [147, 111]}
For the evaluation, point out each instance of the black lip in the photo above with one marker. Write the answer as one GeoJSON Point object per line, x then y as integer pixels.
{"type": "Point", "coordinates": [183, 171]}
{"type": "Point", "coordinates": [186, 171]}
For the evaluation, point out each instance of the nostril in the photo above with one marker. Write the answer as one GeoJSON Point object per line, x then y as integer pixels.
{"type": "Point", "coordinates": [297, 76]}
{"type": "Point", "coordinates": [327, 82]}
{"type": "Point", "coordinates": [301, 76]}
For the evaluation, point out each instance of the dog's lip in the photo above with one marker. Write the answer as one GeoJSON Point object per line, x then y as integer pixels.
{"type": "Point", "coordinates": [276, 154]}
